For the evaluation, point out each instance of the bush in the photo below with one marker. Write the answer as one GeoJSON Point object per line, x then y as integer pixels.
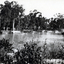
{"type": "Point", "coordinates": [30, 54]}
{"type": "Point", "coordinates": [5, 47]}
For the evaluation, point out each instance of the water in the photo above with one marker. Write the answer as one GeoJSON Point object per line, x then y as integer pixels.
{"type": "Point", "coordinates": [48, 36]}
{"type": "Point", "coordinates": [20, 37]}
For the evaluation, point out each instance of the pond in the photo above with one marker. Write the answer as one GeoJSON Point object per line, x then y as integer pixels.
{"type": "Point", "coordinates": [44, 36]}
{"type": "Point", "coordinates": [48, 36]}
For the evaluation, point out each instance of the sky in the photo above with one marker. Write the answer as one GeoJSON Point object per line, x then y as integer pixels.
{"type": "Point", "coordinates": [48, 8]}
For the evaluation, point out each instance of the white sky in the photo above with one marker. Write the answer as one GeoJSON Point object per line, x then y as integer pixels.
{"type": "Point", "coordinates": [47, 7]}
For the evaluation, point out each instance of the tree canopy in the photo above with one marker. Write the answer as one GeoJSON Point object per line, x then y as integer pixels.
{"type": "Point", "coordinates": [9, 12]}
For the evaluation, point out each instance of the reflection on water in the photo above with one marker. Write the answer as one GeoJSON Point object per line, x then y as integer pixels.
{"type": "Point", "coordinates": [39, 36]}
{"type": "Point", "coordinates": [49, 36]}
{"type": "Point", "coordinates": [18, 39]}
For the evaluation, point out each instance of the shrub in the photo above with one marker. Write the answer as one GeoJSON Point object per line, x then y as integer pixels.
{"type": "Point", "coordinates": [5, 47]}
{"type": "Point", "coordinates": [30, 54]}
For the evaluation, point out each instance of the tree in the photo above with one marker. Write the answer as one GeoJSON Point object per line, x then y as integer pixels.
{"type": "Point", "coordinates": [10, 11]}
{"type": "Point", "coordinates": [58, 21]}
{"type": "Point", "coordinates": [35, 19]}
{"type": "Point", "coordinates": [53, 25]}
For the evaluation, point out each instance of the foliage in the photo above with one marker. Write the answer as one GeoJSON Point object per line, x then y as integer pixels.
{"type": "Point", "coordinates": [53, 51]}
{"type": "Point", "coordinates": [30, 54]}
{"type": "Point", "coordinates": [34, 21]}
{"type": "Point", "coordinates": [5, 47]}
{"type": "Point", "coordinates": [12, 13]}
{"type": "Point", "coordinates": [9, 12]}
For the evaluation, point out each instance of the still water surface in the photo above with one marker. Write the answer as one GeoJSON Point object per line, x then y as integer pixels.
{"type": "Point", "coordinates": [34, 36]}
{"type": "Point", "coordinates": [49, 37]}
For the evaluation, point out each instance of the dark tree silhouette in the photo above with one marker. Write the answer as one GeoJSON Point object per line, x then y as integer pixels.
{"type": "Point", "coordinates": [9, 13]}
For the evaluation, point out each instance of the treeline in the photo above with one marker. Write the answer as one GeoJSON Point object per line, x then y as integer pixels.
{"type": "Point", "coordinates": [12, 15]}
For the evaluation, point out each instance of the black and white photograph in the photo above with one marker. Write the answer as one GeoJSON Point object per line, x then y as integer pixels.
{"type": "Point", "coordinates": [32, 32]}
